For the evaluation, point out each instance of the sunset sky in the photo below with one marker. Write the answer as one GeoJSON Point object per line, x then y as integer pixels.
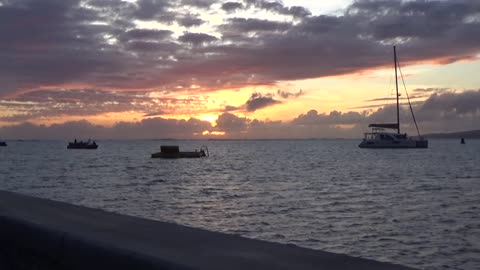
{"type": "Point", "coordinates": [234, 68]}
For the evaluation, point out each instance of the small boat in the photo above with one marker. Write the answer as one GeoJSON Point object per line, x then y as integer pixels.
{"type": "Point", "coordinates": [173, 151]}
{"type": "Point", "coordinates": [462, 141]}
{"type": "Point", "coordinates": [379, 138]}
{"type": "Point", "coordinates": [82, 145]}
{"type": "Point", "coordinates": [3, 143]}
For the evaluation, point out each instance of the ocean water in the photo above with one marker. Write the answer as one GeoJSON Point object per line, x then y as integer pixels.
{"type": "Point", "coordinates": [416, 207]}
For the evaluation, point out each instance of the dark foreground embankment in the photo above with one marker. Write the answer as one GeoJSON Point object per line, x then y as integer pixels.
{"type": "Point", "coordinates": [43, 234]}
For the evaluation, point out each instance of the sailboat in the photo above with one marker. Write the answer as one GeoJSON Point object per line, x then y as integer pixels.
{"type": "Point", "coordinates": [380, 138]}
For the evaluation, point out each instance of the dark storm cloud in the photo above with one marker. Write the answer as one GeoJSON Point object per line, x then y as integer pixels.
{"type": "Point", "coordinates": [348, 44]}
{"type": "Point", "coordinates": [147, 46]}
{"type": "Point", "coordinates": [196, 38]}
{"type": "Point", "coordinates": [422, 19]}
{"type": "Point", "coordinates": [278, 7]}
{"type": "Point", "coordinates": [231, 123]}
{"type": "Point", "coordinates": [198, 3]}
{"type": "Point", "coordinates": [286, 95]}
{"type": "Point", "coordinates": [232, 6]}
{"type": "Point", "coordinates": [54, 42]}
{"type": "Point", "coordinates": [253, 25]}
{"type": "Point", "coordinates": [96, 44]}
{"type": "Point", "coordinates": [258, 101]}
{"type": "Point", "coordinates": [298, 11]}
{"type": "Point", "coordinates": [321, 25]}
{"type": "Point", "coordinates": [146, 34]}
{"type": "Point", "coordinates": [190, 20]}
{"type": "Point", "coordinates": [152, 9]}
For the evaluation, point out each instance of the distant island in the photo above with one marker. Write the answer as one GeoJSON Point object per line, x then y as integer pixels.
{"type": "Point", "coordinates": [469, 134]}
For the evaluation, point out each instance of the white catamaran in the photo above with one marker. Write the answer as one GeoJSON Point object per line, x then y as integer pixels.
{"type": "Point", "coordinates": [379, 138]}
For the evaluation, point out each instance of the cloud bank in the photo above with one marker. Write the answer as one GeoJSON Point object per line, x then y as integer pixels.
{"type": "Point", "coordinates": [440, 112]}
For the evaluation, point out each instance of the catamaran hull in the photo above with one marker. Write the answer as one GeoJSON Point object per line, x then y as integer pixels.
{"type": "Point", "coordinates": [407, 144]}
{"type": "Point", "coordinates": [173, 151]}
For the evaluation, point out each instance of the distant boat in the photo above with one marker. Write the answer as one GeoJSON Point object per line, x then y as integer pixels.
{"type": "Point", "coordinates": [82, 145]}
{"type": "Point", "coordinates": [173, 151]}
{"type": "Point", "coordinates": [3, 143]}
{"type": "Point", "coordinates": [378, 138]}
{"type": "Point", "coordinates": [462, 140]}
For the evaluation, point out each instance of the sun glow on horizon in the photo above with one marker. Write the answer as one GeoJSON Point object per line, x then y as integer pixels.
{"type": "Point", "coordinates": [213, 133]}
{"type": "Point", "coordinates": [211, 118]}
{"type": "Point", "coordinates": [349, 92]}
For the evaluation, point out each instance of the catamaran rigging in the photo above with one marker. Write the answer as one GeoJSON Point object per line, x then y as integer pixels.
{"type": "Point", "coordinates": [379, 138]}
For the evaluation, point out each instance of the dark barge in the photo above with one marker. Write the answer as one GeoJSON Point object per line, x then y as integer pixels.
{"type": "Point", "coordinates": [173, 151]}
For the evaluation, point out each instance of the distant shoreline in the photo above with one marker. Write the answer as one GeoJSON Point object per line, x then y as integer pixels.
{"type": "Point", "coordinates": [469, 134]}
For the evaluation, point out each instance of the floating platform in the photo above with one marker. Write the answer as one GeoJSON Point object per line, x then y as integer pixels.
{"type": "Point", "coordinates": [173, 151]}
{"type": "Point", "coordinates": [44, 234]}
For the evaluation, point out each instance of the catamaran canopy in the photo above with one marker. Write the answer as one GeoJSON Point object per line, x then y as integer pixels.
{"type": "Point", "coordinates": [391, 126]}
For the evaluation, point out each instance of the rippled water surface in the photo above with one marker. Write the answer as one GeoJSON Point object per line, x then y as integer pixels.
{"type": "Point", "coordinates": [416, 207]}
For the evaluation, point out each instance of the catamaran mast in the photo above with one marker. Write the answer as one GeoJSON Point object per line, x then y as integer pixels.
{"type": "Point", "coordinates": [396, 86]}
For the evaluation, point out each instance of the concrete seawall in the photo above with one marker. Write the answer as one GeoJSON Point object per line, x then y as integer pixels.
{"type": "Point", "coordinates": [43, 234]}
